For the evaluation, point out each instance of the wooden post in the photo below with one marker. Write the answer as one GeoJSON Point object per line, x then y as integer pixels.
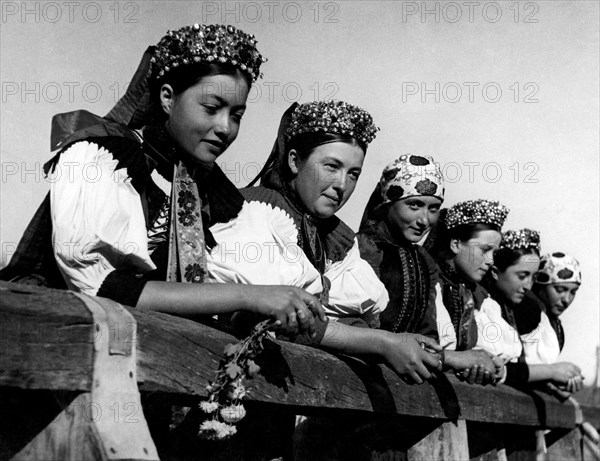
{"type": "Point", "coordinates": [448, 441]}
{"type": "Point", "coordinates": [107, 423]}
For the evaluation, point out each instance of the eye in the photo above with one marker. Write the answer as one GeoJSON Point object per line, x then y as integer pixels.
{"type": "Point", "coordinates": [210, 108]}
{"type": "Point", "coordinates": [237, 116]}
{"type": "Point", "coordinates": [354, 175]}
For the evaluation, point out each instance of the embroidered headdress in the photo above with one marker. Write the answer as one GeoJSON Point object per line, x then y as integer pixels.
{"type": "Point", "coordinates": [558, 268]}
{"type": "Point", "coordinates": [207, 43]}
{"type": "Point", "coordinates": [336, 117]}
{"type": "Point", "coordinates": [523, 239]}
{"type": "Point", "coordinates": [411, 175]}
{"type": "Point", "coordinates": [476, 212]}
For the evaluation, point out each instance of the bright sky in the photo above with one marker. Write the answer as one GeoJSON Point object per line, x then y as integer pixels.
{"type": "Point", "coordinates": [503, 94]}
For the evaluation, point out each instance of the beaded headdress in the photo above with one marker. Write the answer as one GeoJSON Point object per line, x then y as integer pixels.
{"type": "Point", "coordinates": [476, 212]}
{"type": "Point", "coordinates": [558, 268]}
{"type": "Point", "coordinates": [207, 43]}
{"type": "Point", "coordinates": [522, 239]}
{"type": "Point", "coordinates": [411, 175]}
{"type": "Point", "coordinates": [336, 117]}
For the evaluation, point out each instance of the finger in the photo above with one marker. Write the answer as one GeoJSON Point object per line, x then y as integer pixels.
{"type": "Point", "coordinates": [292, 323]}
{"type": "Point", "coordinates": [429, 342]}
{"type": "Point", "coordinates": [304, 317]}
{"type": "Point", "coordinates": [415, 377]}
{"type": "Point", "coordinates": [432, 361]}
{"type": "Point", "coordinates": [317, 309]}
{"type": "Point", "coordinates": [422, 371]}
{"type": "Point", "coordinates": [473, 374]}
{"type": "Point", "coordinates": [479, 376]}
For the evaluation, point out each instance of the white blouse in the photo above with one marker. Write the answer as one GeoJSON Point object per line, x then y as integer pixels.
{"type": "Point", "coordinates": [260, 247]}
{"type": "Point", "coordinates": [541, 345]}
{"type": "Point", "coordinates": [494, 334]}
{"type": "Point", "coordinates": [98, 223]}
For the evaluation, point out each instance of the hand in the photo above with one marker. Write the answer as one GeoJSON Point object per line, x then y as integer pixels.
{"type": "Point", "coordinates": [561, 394]}
{"type": "Point", "coordinates": [575, 384]}
{"type": "Point", "coordinates": [473, 366]}
{"type": "Point", "coordinates": [293, 308]}
{"type": "Point", "coordinates": [411, 356]}
{"type": "Point", "coordinates": [563, 371]}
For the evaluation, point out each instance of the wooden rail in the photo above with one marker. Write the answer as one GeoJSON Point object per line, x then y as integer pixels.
{"type": "Point", "coordinates": [72, 369]}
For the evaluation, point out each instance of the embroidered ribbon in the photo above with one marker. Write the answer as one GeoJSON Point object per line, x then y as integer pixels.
{"type": "Point", "coordinates": [187, 246]}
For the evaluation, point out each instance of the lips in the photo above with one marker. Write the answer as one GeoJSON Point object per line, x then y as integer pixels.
{"type": "Point", "coordinates": [334, 200]}
{"type": "Point", "coordinates": [218, 144]}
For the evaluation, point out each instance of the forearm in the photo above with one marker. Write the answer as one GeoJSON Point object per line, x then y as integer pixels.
{"type": "Point", "coordinates": [354, 341]}
{"type": "Point", "coordinates": [541, 372]}
{"type": "Point", "coordinates": [192, 300]}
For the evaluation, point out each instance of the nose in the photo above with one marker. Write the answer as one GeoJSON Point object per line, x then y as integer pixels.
{"type": "Point", "coordinates": [567, 299]}
{"type": "Point", "coordinates": [340, 183]}
{"type": "Point", "coordinates": [423, 218]}
{"type": "Point", "coordinates": [222, 126]}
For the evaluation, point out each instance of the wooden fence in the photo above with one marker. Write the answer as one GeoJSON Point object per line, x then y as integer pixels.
{"type": "Point", "coordinates": [74, 371]}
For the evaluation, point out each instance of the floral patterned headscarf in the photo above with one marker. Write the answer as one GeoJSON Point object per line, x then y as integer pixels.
{"type": "Point", "coordinates": [558, 268]}
{"type": "Point", "coordinates": [411, 175]}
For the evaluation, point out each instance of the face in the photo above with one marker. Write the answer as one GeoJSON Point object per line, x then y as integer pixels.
{"type": "Point", "coordinates": [413, 217]}
{"type": "Point", "coordinates": [558, 296]}
{"type": "Point", "coordinates": [326, 179]}
{"type": "Point", "coordinates": [475, 256]}
{"type": "Point", "coordinates": [205, 118]}
{"type": "Point", "coordinates": [517, 279]}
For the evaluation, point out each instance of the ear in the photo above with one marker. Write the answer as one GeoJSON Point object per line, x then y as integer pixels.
{"type": "Point", "coordinates": [494, 272]}
{"type": "Point", "coordinates": [455, 246]}
{"type": "Point", "coordinates": [167, 97]}
{"type": "Point", "coordinates": [294, 161]}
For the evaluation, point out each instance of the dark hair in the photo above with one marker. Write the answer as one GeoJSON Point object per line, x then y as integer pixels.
{"type": "Point", "coordinates": [440, 248]}
{"type": "Point", "coordinates": [184, 77]}
{"type": "Point", "coordinates": [306, 143]}
{"type": "Point", "coordinates": [506, 257]}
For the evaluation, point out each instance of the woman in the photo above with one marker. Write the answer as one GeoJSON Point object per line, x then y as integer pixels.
{"type": "Point", "coordinates": [310, 175]}
{"type": "Point", "coordinates": [140, 225]}
{"type": "Point", "coordinates": [469, 318]}
{"type": "Point", "coordinates": [401, 212]}
{"type": "Point", "coordinates": [508, 281]}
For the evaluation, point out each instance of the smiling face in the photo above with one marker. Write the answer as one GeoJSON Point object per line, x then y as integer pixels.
{"type": "Point", "coordinates": [325, 180]}
{"type": "Point", "coordinates": [204, 119]}
{"type": "Point", "coordinates": [411, 218]}
{"type": "Point", "coordinates": [558, 296]}
{"type": "Point", "coordinates": [474, 257]}
{"type": "Point", "coordinates": [516, 279]}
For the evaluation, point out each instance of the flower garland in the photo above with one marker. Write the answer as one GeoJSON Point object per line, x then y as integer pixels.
{"type": "Point", "coordinates": [227, 390]}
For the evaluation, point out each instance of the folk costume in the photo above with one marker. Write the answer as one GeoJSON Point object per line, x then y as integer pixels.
{"type": "Point", "coordinates": [275, 240]}
{"type": "Point", "coordinates": [408, 272]}
{"type": "Point", "coordinates": [125, 204]}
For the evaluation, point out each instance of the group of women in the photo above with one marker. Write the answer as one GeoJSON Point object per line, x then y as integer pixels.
{"type": "Point", "coordinates": [419, 288]}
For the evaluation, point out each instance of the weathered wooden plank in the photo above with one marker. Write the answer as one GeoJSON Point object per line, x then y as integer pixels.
{"type": "Point", "coordinates": [179, 356]}
{"type": "Point", "coordinates": [49, 344]}
{"type": "Point", "coordinates": [448, 441]}
{"type": "Point", "coordinates": [46, 339]}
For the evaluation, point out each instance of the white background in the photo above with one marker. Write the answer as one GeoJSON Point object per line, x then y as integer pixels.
{"type": "Point", "coordinates": [535, 146]}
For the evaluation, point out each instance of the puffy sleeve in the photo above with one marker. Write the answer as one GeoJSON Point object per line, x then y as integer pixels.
{"type": "Point", "coordinates": [259, 247]}
{"type": "Point", "coordinates": [355, 288]}
{"type": "Point", "coordinates": [541, 344]}
{"type": "Point", "coordinates": [494, 334]}
{"type": "Point", "coordinates": [98, 224]}
{"type": "Point", "coordinates": [445, 327]}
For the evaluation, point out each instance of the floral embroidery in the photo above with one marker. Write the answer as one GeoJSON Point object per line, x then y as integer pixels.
{"type": "Point", "coordinates": [426, 187]}
{"type": "Point", "coordinates": [186, 200]}
{"type": "Point", "coordinates": [187, 218]}
{"type": "Point", "coordinates": [194, 273]}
